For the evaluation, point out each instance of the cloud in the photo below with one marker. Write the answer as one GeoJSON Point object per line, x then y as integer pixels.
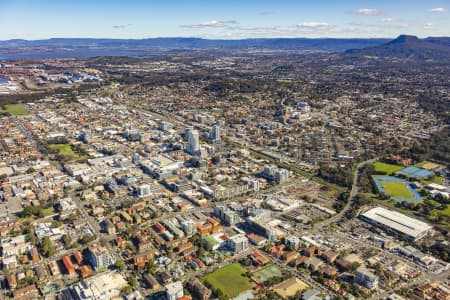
{"type": "Point", "coordinates": [438, 10]}
{"type": "Point", "coordinates": [312, 25]}
{"type": "Point", "coordinates": [211, 24]}
{"type": "Point", "coordinates": [428, 26]}
{"type": "Point", "coordinates": [368, 12]}
{"type": "Point", "coordinates": [387, 20]}
{"type": "Point", "coordinates": [121, 26]}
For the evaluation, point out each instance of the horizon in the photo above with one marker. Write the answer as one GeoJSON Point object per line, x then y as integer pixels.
{"type": "Point", "coordinates": [224, 39]}
{"type": "Point", "coordinates": [139, 19]}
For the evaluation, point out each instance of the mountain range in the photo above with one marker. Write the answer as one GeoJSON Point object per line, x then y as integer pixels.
{"type": "Point", "coordinates": [407, 46]}
{"type": "Point", "coordinates": [403, 46]}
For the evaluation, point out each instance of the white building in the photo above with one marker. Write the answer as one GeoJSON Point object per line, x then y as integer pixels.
{"type": "Point", "coordinates": [292, 241]}
{"type": "Point", "coordinates": [366, 278]}
{"type": "Point", "coordinates": [397, 222]}
{"type": "Point", "coordinates": [238, 243]}
{"type": "Point", "coordinates": [45, 230]}
{"type": "Point", "coordinates": [174, 290]}
{"type": "Point", "coordinates": [103, 286]}
{"type": "Point", "coordinates": [99, 257]}
{"type": "Point", "coordinates": [161, 167]}
{"type": "Point", "coordinates": [193, 146]}
{"type": "Point", "coordinates": [143, 190]}
{"type": "Point", "coordinates": [215, 132]}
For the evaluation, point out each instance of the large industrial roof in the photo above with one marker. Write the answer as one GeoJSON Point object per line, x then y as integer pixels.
{"type": "Point", "coordinates": [397, 221]}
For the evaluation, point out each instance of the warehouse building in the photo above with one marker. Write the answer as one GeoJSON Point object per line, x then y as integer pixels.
{"type": "Point", "coordinates": [397, 222]}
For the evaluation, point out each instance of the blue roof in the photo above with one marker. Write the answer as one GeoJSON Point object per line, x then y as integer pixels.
{"type": "Point", "coordinates": [415, 172]}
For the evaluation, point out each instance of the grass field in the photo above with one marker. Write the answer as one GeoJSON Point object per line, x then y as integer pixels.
{"type": "Point", "coordinates": [397, 189]}
{"type": "Point", "coordinates": [446, 211]}
{"type": "Point", "coordinates": [434, 179]}
{"type": "Point", "coordinates": [15, 109]}
{"type": "Point", "coordinates": [66, 150]}
{"type": "Point", "coordinates": [266, 273]}
{"type": "Point", "coordinates": [387, 168]}
{"type": "Point", "coordinates": [420, 164]}
{"type": "Point", "coordinates": [230, 280]}
{"type": "Point", "coordinates": [63, 149]}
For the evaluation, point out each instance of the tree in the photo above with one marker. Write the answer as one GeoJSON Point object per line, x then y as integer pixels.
{"type": "Point", "coordinates": [87, 238]}
{"type": "Point", "coordinates": [132, 280]}
{"type": "Point", "coordinates": [120, 265]}
{"type": "Point", "coordinates": [47, 248]}
{"type": "Point", "coordinates": [65, 240]}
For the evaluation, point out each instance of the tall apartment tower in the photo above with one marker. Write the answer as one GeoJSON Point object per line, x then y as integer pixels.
{"type": "Point", "coordinates": [193, 146]}
{"type": "Point", "coordinates": [214, 134]}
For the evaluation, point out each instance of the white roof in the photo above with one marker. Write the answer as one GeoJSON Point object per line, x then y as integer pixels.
{"type": "Point", "coordinates": [397, 221]}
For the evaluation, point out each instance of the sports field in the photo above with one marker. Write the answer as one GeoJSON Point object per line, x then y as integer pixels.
{"type": "Point", "coordinates": [396, 188]}
{"type": "Point", "coordinates": [386, 168]}
{"type": "Point", "coordinates": [230, 280]}
{"type": "Point", "coordinates": [266, 273]}
{"type": "Point", "coordinates": [15, 109]}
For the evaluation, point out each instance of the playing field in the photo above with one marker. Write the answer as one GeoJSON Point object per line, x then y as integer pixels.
{"type": "Point", "coordinates": [387, 168]}
{"type": "Point", "coordinates": [231, 280]}
{"type": "Point", "coordinates": [15, 109]}
{"type": "Point", "coordinates": [397, 189]}
{"type": "Point", "coordinates": [266, 273]}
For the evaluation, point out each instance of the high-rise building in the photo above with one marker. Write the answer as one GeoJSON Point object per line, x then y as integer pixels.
{"type": "Point", "coordinates": [99, 257]}
{"type": "Point", "coordinates": [193, 146]}
{"type": "Point", "coordinates": [238, 243]}
{"type": "Point", "coordinates": [273, 173]}
{"type": "Point", "coordinates": [366, 278]}
{"type": "Point", "coordinates": [227, 216]}
{"type": "Point", "coordinates": [174, 290]}
{"type": "Point", "coordinates": [189, 227]}
{"type": "Point", "coordinates": [143, 190]}
{"type": "Point", "coordinates": [214, 134]}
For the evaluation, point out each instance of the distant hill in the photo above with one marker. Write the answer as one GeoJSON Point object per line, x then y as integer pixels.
{"type": "Point", "coordinates": [407, 46]}
{"type": "Point", "coordinates": [323, 44]}
{"type": "Point", "coordinates": [404, 46]}
{"type": "Point", "coordinates": [56, 47]}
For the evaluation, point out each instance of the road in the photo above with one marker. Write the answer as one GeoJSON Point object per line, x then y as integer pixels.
{"type": "Point", "coordinates": [428, 278]}
{"type": "Point", "coordinates": [353, 193]}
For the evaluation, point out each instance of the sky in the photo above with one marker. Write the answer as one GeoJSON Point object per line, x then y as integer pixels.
{"type": "Point", "coordinates": [217, 19]}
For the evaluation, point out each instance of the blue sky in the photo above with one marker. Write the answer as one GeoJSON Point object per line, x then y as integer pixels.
{"type": "Point", "coordinates": [229, 19]}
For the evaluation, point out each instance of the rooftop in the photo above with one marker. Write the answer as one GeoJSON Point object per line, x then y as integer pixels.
{"type": "Point", "coordinates": [397, 221]}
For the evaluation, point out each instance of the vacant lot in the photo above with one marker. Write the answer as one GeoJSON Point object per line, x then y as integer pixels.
{"type": "Point", "coordinates": [230, 280]}
{"type": "Point", "coordinates": [15, 109]}
{"type": "Point", "coordinates": [386, 168]}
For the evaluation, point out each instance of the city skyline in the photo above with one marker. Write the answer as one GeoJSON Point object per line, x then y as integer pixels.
{"type": "Point", "coordinates": [221, 20]}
